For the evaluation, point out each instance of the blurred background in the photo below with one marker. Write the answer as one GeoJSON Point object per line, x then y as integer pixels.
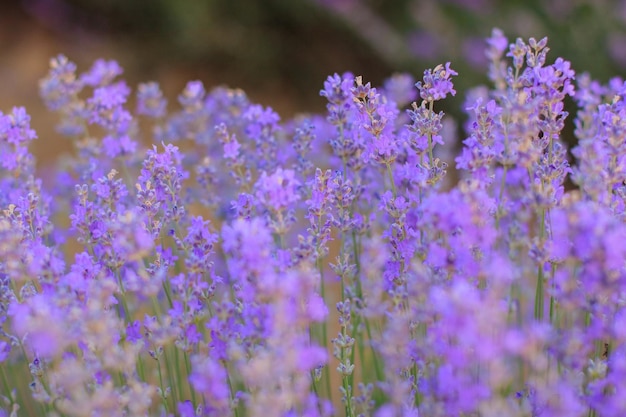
{"type": "Point", "coordinates": [281, 51]}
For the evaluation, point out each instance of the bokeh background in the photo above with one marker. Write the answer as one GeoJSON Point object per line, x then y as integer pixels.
{"type": "Point", "coordinates": [280, 51]}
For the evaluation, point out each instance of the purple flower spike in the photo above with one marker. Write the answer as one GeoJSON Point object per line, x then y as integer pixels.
{"type": "Point", "coordinates": [279, 190]}
{"type": "Point", "coordinates": [15, 136]}
{"type": "Point", "coordinates": [210, 380]}
{"type": "Point", "coordinates": [61, 85]}
{"type": "Point", "coordinates": [40, 321]}
{"type": "Point", "coordinates": [101, 73]}
{"type": "Point", "coordinates": [150, 101]}
{"type": "Point", "coordinates": [191, 98]}
{"type": "Point", "coordinates": [436, 84]}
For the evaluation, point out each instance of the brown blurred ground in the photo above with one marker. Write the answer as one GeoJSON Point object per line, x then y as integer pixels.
{"type": "Point", "coordinates": [29, 39]}
{"type": "Point", "coordinates": [25, 51]}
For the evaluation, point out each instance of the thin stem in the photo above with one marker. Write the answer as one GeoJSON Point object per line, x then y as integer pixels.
{"type": "Point", "coordinates": [431, 158]}
{"type": "Point", "coordinates": [7, 388]}
{"type": "Point", "coordinates": [188, 369]}
{"type": "Point", "coordinates": [167, 291]}
{"type": "Point", "coordinates": [179, 376]}
{"type": "Point", "coordinates": [172, 377]}
{"type": "Point", "coordinates": [393, 184]}
{"type": "Point", "coordinates": [232, 392]}
{"type": "Point", "coordinates": [500, 197]}
{"type": "Point", "coordinates": [140, 368]}
{"type": "Point", "coordinates": [163, 398]}
{"type": "Point", "coordinates": [121, 298]}
{"type": "Point", "coordinates": [552, 300]}
{"type": "Point", "coordinates": [329, 391]}
{"type": "Point", "coordinates": [377, 367]}
{"type": "Point", "coordinates": [539, 293]}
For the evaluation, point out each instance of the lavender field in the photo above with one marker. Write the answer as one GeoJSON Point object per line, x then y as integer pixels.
{"type": "Point", "coordinates": [326, 265]}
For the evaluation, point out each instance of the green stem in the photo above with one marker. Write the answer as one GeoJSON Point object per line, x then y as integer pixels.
{"type": "Point", "coordinates": [45, 407]}
{"type": "Point", "coordinates": [232, 392]}
{"type": "Point", "coordinates": [141, 369]}
{"type": "Point", "coordinates": [7, 388]}
{"type": "Point", "coordinates": [156, 307]}
{"type": "Point", "coordinates": [179, 376]}
{"type": "Point", "coordinates": [357, 263]}
{"type": "Point", "coordinates": [430, 139]}
{"type": "Point", "coordinates": [314, 384]}
{"type": "Point", "coordinates": [500, 197]}
{"type": "Point", "coordinates": [416, 400]}
{"type": "Point", "coordinates": [329, 391]}
{"type": "Point", "coordinates": [393, 183]}
{"type": "Point", "coordinates": [348, 405]}
{"type": "Point", "coordinates": [377, 367]}
{"type": "Point", "coordinates": [121, 298]}
{"type": "Point", "coordinates": [539, 294]}
{"type": "Point", "coordinates": [188, 369]}
{"type": "Point", "coordinates": [125, 309]}
{"type": "Point", "coordinates": [552, 300]}
{"type": "Point", "coordinates": [167, 409]}
{"type": "Point", "coordinates": [167, 291]}
{"type": "Point", "coordinates": [172, 377]}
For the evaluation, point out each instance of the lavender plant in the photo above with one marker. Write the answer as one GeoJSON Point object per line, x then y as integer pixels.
{"type": "Point", "coordinates": [223, 262]}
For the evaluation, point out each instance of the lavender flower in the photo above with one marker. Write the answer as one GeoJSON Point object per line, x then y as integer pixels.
{"type": "Point", "coordinates": [15, 135]}
{"type": "Point", "coordinates": [436, 84]}
{"type": "Point", "coordinates": [61, 85]}
{"type": "Point", "coordinates": [101, 73]}
{"type": "Point", "coordinates": [318, 266]}
{"type": "Point", "coordinates": [150, 101]}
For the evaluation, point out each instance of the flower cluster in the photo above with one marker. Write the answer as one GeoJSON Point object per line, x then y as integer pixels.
{"type": "Point", "coordinates": [240, 265]}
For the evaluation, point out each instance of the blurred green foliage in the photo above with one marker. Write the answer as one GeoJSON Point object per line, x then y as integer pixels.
{"type": "Point", "coordinates": [292, 38]}
{"type": "Point", "coordinates": [285, 43]}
